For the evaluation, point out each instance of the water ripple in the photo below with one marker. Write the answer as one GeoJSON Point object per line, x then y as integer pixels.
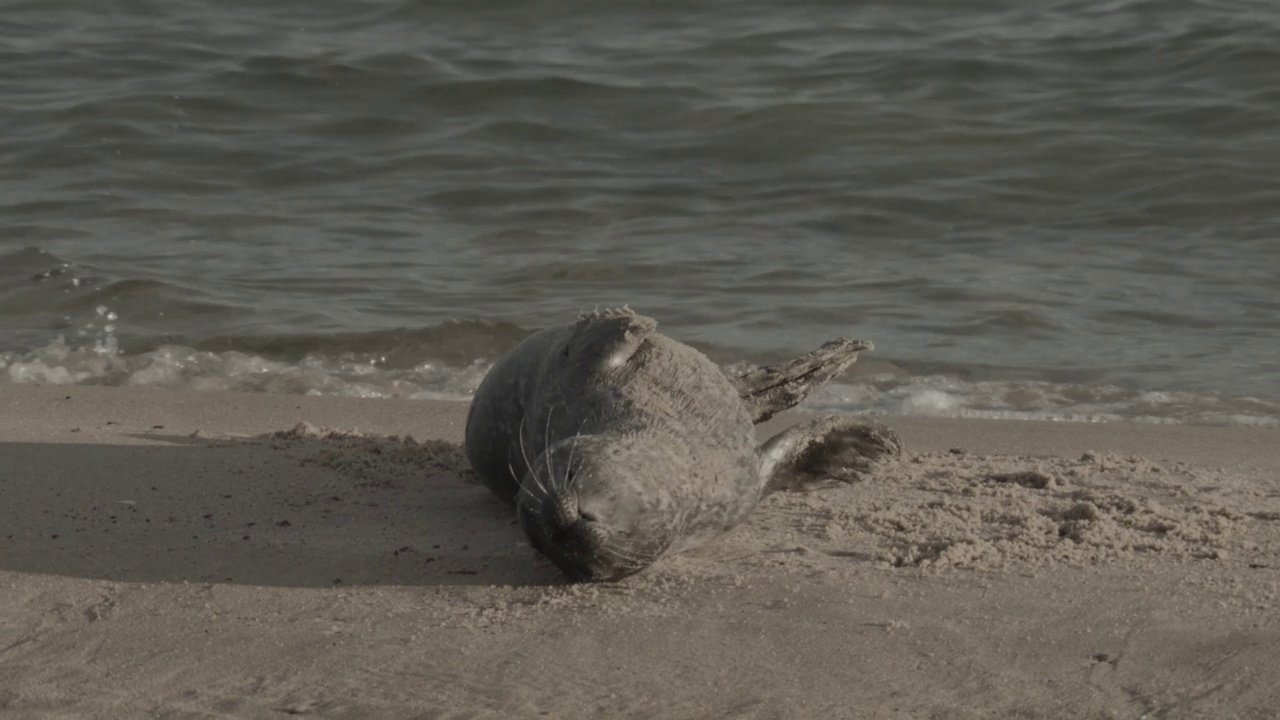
{"type": "Point", "coordinates": [984, 185]}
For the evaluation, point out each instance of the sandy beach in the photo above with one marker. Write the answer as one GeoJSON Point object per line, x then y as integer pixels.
{"type": "Point", "coordinates": [191, 555]}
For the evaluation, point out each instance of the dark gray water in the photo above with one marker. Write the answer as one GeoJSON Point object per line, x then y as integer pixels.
{"type": "Point", "coordinates": [1034, 208]}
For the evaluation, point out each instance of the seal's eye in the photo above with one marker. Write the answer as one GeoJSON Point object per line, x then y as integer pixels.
{"type": "Point", "coordinates": [587, 516]}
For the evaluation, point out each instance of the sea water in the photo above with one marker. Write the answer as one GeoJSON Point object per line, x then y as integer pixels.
{"type": "Point", "coordinates": [1035, 209]}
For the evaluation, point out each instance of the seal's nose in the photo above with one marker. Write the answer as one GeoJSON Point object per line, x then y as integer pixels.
{"type": "Point", "coordinates": [576, 550]}
{"type": "Point", "coordinates": [576, 538]}
{"type": "Point", "coordinates": [560, 511]}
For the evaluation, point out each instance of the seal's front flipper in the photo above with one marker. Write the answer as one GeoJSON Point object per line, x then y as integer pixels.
{"type": "Point", "coordinates": [608, 338]}
{"type": "Point", "coordinates": [768, 390]}
{"type": "Point", "coordinates": [829, 449]}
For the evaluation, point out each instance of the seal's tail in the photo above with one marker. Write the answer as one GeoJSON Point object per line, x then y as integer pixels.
{"type": "Point", "coordinates": [768, 390]}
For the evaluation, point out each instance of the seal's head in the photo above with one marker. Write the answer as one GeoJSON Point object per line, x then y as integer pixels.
{"type": "Point", "coordinates": [581, 509]}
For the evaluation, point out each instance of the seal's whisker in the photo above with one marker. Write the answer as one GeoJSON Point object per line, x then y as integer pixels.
{"type": "Point", "coordinates": [561, 484]}
{"type": "Point", "coordinates": [630, 562]}
{"type": "Point", "coordinates": [624, 552]}
{"type": "Point", "coordinates": [523, 454]}
{"type": "Point", "coordinates": [533, 473]}
{"type": "Point", "coordinates": [534, 497]}
{"type": "Point", "coordinates": [563, 487]}
{"type": "Point", "coordinates": [629, 548]}
{"type": "Point", "coordinates": [529, 465]}
{"type": "Point", "coordinates": [546, 449]}
{"type": "Point", "coordinates": [635, 558]}
{"type": "Point", "coordinates": [573, 448]}
{"type": "Point", "coordinates": [520, 484]}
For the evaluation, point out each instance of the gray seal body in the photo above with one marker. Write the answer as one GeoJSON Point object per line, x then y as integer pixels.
{"type": "Point", "coordinates": [618, 445]}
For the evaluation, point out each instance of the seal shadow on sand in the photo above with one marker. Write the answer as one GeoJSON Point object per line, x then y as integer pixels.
{"type": "Point", "coordinates": [302, 508]}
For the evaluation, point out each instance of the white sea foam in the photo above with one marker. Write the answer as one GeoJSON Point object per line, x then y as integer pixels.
{"type": "Point", "coordinates": [99, 361]}
{"type": "Point", "coordinates": [929, 402]}
{"type": "Point", "coordinates": [942, 396]}
{"type": "Point", "coordinates": [94, 357]}
{"type": "Point", "coordinates": [177, 367]}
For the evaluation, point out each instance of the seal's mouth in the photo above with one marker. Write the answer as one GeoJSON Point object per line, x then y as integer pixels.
{"type": "Point", "coordinates": [577, 542]}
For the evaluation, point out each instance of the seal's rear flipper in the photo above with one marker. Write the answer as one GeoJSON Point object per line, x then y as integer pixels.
{"type": "Point", "coordinates": [768, 390]}
{"type": "Point", "coordinates": [828, 449]}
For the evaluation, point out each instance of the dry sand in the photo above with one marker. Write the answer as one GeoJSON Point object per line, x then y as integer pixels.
{"type": "Point", "coordinates": [197, 555]}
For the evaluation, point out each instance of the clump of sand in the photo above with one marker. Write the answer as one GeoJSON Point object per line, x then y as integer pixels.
{"type": "Point", "coordinates": [996, 512]}
{"type": "Point", "coordinates": [369, 458]}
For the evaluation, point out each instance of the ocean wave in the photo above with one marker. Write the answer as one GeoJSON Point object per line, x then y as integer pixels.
{"type": "Point", "coordinates": [178, 367]}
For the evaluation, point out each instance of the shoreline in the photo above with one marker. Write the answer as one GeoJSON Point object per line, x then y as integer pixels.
{"type": "Point", "coordinates": [194, 554]}
{"type": "Point", "coordinates": [47, 413]}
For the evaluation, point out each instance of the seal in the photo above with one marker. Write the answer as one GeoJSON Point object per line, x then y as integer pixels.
{"type": "Point", "coordinates": [619, 445]}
